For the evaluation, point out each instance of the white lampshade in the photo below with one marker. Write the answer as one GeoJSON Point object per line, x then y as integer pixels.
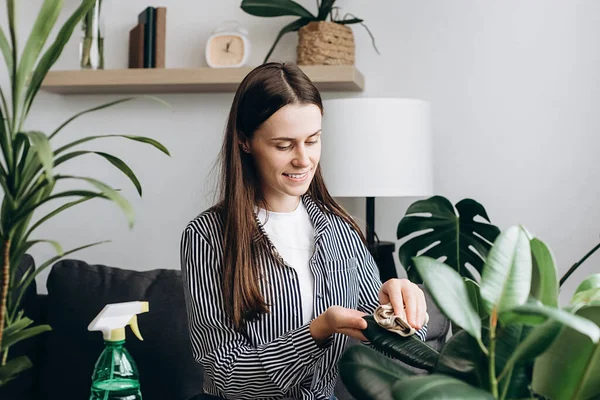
{"type": "Point", "coordinates": [377, 147]}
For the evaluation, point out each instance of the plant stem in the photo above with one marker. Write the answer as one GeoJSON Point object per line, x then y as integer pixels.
{"type": "Point", "coordinates": [5, 277]}
{"type": "Point", "coordinates": [506, 384]}
{"type": "Point", "coordinates": [492, 356]}
{"type": "Point", "coordinates": [577, 264]}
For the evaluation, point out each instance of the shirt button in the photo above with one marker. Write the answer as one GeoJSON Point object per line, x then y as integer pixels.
{"type": "Point", "coordinates": [319, 295]}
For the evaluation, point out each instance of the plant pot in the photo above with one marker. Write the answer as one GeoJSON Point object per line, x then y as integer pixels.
{"type": "Point", "coordinates": [325, 43]}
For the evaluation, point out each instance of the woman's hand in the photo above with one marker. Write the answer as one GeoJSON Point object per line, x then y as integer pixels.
{"type": "Point", "coordinates": [337, 319]}
{"type": "Point", "coordinates": [407, 299]}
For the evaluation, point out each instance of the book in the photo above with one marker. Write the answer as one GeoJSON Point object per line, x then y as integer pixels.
{"type": "Point", "coordinates": [136, 47]}
{"type": "Point", "coordinates": [147, 17]}
{"type": "Point", "coordinates": [160, 37]}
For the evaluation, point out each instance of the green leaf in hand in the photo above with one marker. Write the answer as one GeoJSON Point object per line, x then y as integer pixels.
{"type": "Point", "coordinates": [459, 238]}
{"type": "Point", "coordinates": [409, 350]}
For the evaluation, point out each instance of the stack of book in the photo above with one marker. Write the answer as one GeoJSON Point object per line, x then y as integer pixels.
{"type": "Point", "coordinates": [147, 39]}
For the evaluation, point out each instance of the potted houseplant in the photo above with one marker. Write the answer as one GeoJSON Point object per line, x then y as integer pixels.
{"type": "Point", "coordinates": [29, 168]}
{"type": "Point", "coordinates": [510, 338]}
{"type": "Point", "coordinates": [324, 38]}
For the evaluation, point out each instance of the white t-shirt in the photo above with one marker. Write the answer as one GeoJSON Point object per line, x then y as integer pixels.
{"type": "Point", "coordinates": [293, 236]}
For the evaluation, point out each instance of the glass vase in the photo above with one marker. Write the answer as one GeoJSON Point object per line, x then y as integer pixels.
{"type": "Point", "coordinates": [91, 48]}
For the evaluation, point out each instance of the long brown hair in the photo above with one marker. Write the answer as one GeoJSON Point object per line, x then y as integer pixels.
{"type": "Point", "coordinates": [263, 91]}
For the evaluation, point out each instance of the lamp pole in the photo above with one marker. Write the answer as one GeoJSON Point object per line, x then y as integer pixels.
{"type": "Point", "coordinates": [382, 252]}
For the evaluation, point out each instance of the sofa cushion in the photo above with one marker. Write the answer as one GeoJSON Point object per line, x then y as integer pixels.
{"type": "Point", "coordinates": [77, 292]}
{"type": "Point", "coordinates": [438, 326]}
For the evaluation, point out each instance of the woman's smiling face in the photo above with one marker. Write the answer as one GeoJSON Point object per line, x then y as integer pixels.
{"type": "Point", "coordinates": [286, 149]}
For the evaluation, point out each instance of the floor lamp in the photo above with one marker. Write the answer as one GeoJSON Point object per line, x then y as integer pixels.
{"type": "Point", "coordinates": [377, 147]}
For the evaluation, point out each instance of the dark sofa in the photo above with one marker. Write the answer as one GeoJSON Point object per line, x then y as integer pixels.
{"type": "Point", "coordinates": [64, 358]}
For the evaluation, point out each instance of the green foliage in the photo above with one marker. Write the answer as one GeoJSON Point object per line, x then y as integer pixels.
{"type": "Point", "coordinates": [571, 366]}
{"type": "Point", "coordinates": [514, 341]}
{"type": "Point", "coordinates": [407, 349]}
{"type": "Point", "coordinates": [278, 8]}
{"type": "Point", "coordinates": [440, 230]}
{"type": "Point", "coordinates": [29, 164]}
{"type": "Point", "coordinates": [450, 294]}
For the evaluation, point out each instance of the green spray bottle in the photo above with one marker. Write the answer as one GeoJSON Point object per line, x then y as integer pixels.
{"type": "Point", "coordinates": [115, 375]}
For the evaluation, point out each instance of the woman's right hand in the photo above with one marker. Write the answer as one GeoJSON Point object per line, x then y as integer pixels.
{"type": "Point", "coordinates": [337, 319]}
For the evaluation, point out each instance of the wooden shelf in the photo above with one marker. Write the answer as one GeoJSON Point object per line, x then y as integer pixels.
{"type": "Point", "coordinates": [196, 80]}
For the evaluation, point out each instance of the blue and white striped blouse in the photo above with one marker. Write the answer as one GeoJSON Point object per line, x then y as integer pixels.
{"type": "Point", "coordinates": [278, 358]}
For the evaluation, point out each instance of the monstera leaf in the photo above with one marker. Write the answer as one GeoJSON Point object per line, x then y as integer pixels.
{"type": "Point", "coordinates": [446, 232]}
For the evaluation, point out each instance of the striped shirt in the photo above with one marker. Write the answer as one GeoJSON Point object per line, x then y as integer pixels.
{"type": "Point", "coordinates": [277, 358]}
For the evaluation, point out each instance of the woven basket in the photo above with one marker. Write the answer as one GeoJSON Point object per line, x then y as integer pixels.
{"type": "Point", "coordinates": [325, 43]}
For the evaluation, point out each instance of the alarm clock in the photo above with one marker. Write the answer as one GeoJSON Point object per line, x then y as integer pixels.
{"type": "Point", "coordinates": [228, 46]}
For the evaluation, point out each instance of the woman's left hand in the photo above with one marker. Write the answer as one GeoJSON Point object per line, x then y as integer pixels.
{"type": "Point", "coordinates": [407, 299]}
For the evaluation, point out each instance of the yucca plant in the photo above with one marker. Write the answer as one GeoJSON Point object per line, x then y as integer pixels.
{"type": "Point", "coordinates": [28, 165]}
{"type": "Point", "coordinates": [514, 342]}
{"type": "Point", "coordinates": [277, 8]}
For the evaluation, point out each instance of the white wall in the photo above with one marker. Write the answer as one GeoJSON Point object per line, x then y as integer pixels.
{"type": "Point", "coordinates": [514, 87]}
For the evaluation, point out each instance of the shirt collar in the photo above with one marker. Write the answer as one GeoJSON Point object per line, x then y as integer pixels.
{"type": "Point", "coordinates": [317, 217]}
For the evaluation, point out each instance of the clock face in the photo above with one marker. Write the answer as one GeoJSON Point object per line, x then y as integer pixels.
{"type": "Point", "coordinates": [226, 50]}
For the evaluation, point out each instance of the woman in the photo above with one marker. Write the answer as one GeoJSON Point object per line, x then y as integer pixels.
{"type": "Point", "coordinates": [277, 275]}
